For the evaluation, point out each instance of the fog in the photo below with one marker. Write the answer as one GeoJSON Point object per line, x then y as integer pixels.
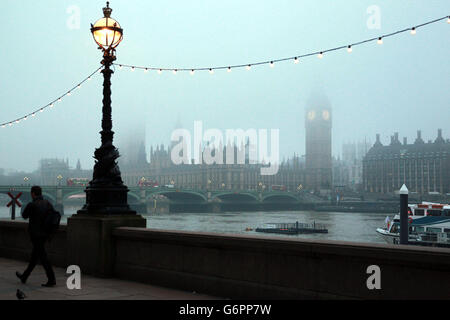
{"type": "Point", "coordinates": [399, 86]}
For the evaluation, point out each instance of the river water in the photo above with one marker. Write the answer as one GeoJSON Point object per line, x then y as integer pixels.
{"type": "Point", "coordinates": [355, 227]}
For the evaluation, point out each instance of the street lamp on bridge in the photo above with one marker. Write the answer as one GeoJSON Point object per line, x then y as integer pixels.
{"type": "Point", "coordinates": [59, 177]}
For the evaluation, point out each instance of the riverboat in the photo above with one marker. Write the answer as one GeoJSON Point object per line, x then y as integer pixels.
{"type": "Point", "coordinates": [428, 222]}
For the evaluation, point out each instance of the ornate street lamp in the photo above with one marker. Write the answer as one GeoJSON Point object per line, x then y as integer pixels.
{"type": "Point", "coordinates": [106, 193]}
{"type": "Point", "coordinates": [59, 177]}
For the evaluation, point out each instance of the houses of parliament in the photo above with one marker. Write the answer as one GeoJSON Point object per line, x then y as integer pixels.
{"type": "Point", "coordinates": [312, 172]}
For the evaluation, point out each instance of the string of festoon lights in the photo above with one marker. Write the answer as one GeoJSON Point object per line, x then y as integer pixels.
{"type": "Point", "coordinates": [51, 104]}
{"type": "Point", "coordinates": [296, 59]}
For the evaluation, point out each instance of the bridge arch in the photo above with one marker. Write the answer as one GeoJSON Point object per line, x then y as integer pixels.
{"type": "Point", "coordinates": [230, 196]}
{"type": "Point", "coordinates": [67, 195]}
{"type": "Point", "coordinates": [278, 197]}
{"type": "Point", "coordinates": [134, 196]}
{"type": "Point", "coordinates": [174, 195]}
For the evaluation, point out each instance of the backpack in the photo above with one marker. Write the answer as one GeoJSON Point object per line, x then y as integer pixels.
{"type": "Point", "coordinates": [52, 221]}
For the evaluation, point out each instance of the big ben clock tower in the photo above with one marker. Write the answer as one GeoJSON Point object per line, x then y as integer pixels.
{"type": "Point", "coordinates": [318, 145]}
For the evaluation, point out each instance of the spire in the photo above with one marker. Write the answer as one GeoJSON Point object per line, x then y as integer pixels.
{"type": "Point", "coordinates": [141, 156]}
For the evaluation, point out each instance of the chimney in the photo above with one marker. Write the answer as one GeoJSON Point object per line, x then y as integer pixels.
{"type": "Point", "coordinates": [439, 138]}
{"type": "Point", "coordinates": [377, 141]}
{"type": "Point", "coordinates": [419, 137]}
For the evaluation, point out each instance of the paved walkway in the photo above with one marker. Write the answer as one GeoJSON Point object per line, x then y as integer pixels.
{"type": "Point", "coordinates": [91, 288]}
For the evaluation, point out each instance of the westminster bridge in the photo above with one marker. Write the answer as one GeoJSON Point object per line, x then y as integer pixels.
{"type": "Point", "coordinates": [165, 199]}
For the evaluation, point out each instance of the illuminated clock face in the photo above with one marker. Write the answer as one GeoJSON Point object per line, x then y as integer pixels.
{"type": "Point", "coordinates": [311, 115]}
{"type": "Point", "coordinates": [325, 115]}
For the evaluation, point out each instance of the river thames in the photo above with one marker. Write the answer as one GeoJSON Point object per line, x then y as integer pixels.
{"type": "Point", "coordinates": [355, 227]}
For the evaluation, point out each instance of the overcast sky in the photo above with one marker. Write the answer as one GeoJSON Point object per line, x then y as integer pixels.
{"type": "Point", "coordinates": [402, 85]}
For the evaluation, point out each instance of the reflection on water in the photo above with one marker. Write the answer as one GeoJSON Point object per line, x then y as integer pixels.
{"type": "Point", "coordinates": [357, 227]}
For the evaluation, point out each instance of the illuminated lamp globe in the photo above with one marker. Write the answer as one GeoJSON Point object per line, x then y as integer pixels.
{"type": "Point", "coordinates": [106, 31]}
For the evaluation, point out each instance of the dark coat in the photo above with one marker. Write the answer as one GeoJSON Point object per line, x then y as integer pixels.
{"type": "Point", "coordinates": [37, 211]}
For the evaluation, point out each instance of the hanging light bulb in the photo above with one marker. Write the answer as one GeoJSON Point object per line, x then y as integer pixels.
{"type": "Point", "coordinates": [79, 86]}
{"type": "Point", "coordinates": [174, 71]}
{"type": "Point", "coordinates": [320, 55]}
{"type": "Point", "coordinates": [120, 66]}
{"type": "Point", "coordinates": [25, 118]}
{"type": "Point", "coordinates": [272, 64]}
{"type": "Point", "coordinates": [248, 67]}
{"type": "Point", "coordinates": [89, 79]}
{"type": "Point", "coordinates": [192, 72]}
{"type": "Point", "coordinates": [17, 121]}
{"type": "Point", "coordinates": [42, 110]}
{"type": "Point", "coordinates": [68, 93]}
{"type": "Point", "coordinates": [33, 114]}
{"type": "Point", "coordinates": [229, 69]}
{"type": "Point", "coordinates": [51, 105]}
{"type": "Point", "coordinates": [380, 40]}
{"type": "Point", "coordinates": [59, 99]}
{"type": "Point", "coordinates": [413, 31]}
{"type": "Point", "coordinates": [132, 69]}
{"type": "Point", "coordinates": [349, 49]}
{"type": "Point", "coordinates": [295, 60]}
{"type": "Point", "coordinates": [146, 70]}
{"type": "Point", "coordinates": [159, 71]}
{"type": "Point", "coordinates": [10, 124]}
{"type": "Point", "coordinates": [211, 71]}
{"type": "Point", "coordinates": [3, 125]}
{"type": "Point", "coordinates": [448, 20]}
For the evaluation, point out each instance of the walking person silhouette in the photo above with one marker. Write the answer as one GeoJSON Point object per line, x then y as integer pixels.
{"type": "Point", "coordinates": [37, 212]}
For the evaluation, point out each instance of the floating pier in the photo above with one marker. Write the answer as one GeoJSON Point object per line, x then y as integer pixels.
{"type": "Point", "coordinates": [294, 228]}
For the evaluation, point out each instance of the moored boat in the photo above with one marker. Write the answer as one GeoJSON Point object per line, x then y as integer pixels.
{"type": "Point", "coordinates": [427, 221]}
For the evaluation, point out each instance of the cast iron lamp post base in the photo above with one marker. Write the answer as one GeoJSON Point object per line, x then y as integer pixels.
{"type": "Point", "coordinates": [106, 193]}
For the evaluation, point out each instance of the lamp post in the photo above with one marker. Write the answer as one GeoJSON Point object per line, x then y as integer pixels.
{"type": "Point", "coordinates": [90, 243]}
{"type": "Point", "coordinates": [59, 177]}
{"type": "Point", "coordinates": [25, 180]}
{"type": "Point", "coordinates": [106, 193]}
